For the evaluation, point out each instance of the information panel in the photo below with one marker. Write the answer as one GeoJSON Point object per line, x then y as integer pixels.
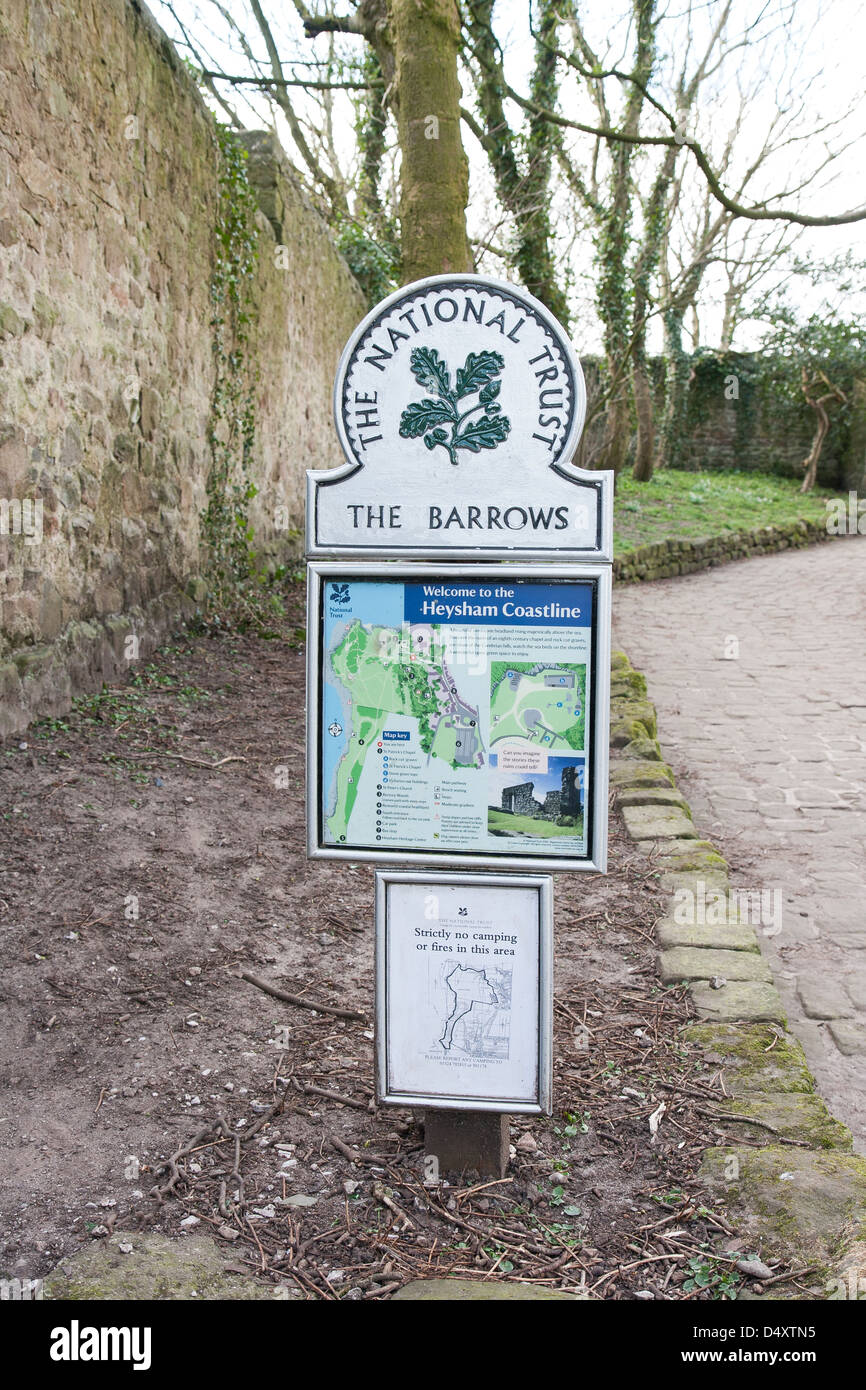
{"type": "Point", "coordinates": [464, 991]}
{"type": "Point", "coordinates": [459, 714]}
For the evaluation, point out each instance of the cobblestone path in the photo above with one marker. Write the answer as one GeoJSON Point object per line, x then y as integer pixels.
{"type": "Point", "coordinates": [758, 671]}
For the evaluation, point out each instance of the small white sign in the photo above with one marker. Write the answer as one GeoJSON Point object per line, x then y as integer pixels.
{"type": "Point", "coordinates": [464, 991]}
{"type": "Point", "coordinates": [459, 404]}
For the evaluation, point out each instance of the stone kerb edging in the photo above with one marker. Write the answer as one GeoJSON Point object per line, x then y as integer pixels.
{"type": "Point", "coordinates": [665, 559]}
{"type": "Point", "coordinates": [795, 1189]}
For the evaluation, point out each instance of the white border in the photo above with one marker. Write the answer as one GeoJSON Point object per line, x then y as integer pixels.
{"type": "Point", "coordinates": [543, 885]}
{"type": "Point", "coordinates": [318, 574]}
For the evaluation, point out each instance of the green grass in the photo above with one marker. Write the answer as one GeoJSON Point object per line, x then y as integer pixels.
{"type": "Point", "coordinates": [529, 825]}
{"type": "Point", "coordinates": [691, 506]}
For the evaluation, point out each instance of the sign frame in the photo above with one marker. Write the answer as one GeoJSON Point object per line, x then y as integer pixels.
{"type": "Point", "coordinates": [543, 886]}
{"type": "Point", "coordinates": [599, 483]}
{"type": "Point", "coordinates": [320, 572]}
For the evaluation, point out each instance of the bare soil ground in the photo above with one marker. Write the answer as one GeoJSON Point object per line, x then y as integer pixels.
{"type": "Point", "coordinates": [142, 871]}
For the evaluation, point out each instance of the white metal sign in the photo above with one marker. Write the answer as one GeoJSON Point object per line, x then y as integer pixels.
{"type": "Point", "coordinates": [464, 991]}
{"type": "Point", "coordinates": [459, 715]}
{"type": "Point", "coordinates": [459, 404]}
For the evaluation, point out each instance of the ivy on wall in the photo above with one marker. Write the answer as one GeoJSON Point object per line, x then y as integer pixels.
{"type": "Point", "coordinates": [746, 410]}
{"type": "Point", "coordinates": [375, 264]}
{"type": "Point", "coordinates": [716, 377]}
{"type": "Point", "coordinates": [238, 589]}
{"type": "Point", "coordinates": [761, 394]}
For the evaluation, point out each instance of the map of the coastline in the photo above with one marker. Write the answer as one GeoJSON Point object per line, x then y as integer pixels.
{"type": "Point", "coordinates": [542, 704]}
{"type": "Point", "coordinates": [477, 1004]}
{"type": "Point", "coordinates": [387, 671]}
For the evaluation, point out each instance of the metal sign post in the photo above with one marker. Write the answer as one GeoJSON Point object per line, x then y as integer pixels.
{"type": "Point", "coordinates": [458, 708]}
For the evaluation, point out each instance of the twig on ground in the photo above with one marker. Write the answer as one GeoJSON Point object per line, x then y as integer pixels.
{"type": "Point", "coordinates": [334, 1095]}
{"type": "Point", "coordinates": [178, 758]}
{"type": "Point", "coordinates": [297, 1000]}
{"type": "Point", "coordinates": [792, 1274]}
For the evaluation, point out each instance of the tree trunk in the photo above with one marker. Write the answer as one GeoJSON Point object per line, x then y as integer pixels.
{"type": "Point", "coordinates": [612, 290]}
{"type": "Point", "coordinates": [676, 391]}
{"type": "Point", "coordinates": [810, 463]}
{"type": "Point", "coordinates": [616, 434]}
{"type": "Point", "coordinates": [819, 405]}
{"type": "Point", "coordinates": [731, 304]}
{"type": "Point", "coordinates": [537, 262]}
{"type": "Point", "coordinates": [644, 458]}
{"type": "Point", "coordinates": [425, 40]}
{"type": "Point", "coordinates": [645, 268]}
{"type": "Point", "coordinates": [523, 191]}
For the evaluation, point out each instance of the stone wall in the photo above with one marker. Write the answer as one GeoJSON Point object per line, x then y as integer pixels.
{"type": "Point", "coordinates": [108, 199]}
{"type": "Point", "coordinates": [664, 559]}
{"type": "Point", "coordinates": [520, 801]}
{"type": "Point", "coordinates": [733, 421]}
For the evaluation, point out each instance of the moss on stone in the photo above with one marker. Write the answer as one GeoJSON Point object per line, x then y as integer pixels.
{"type": "Point", "coordinates": [754, 1057]}
{"type": "Point", "coordinates": [628, 684]}
{"type": "Point", "coordinates": [652, 796]}
{"type": "Point", "coordinates": [11, 323]}
{"type": "Point", "coordinates": [629, 773]}
{"type": "Point", "coordinates": [31, 662]}
{"type": "Point", "coordinates": [644, 747]}
{"type": "Point", "coordinates": [799, 1204]}
{"type": "Point", "coordinates": [630, 710]}
{"type": "Point", "coordinates": [727, 936]}
{"type": "Point", "coordinates": [712, 881]}
{"type": "Point", "coordinates": [789, 1115]}
{"type": "Point", "coordinates": [739, 1001]}
{"type": "Point", "coordinates": [659, 823]}
{"type": "Point", "coordinates": [691, 856]}
{"type": "Point", "coordinates": [156, 1269]}
{"type": "Point", "coordinates": [625, 730]}
{"type": "Point", "coordinates": [705, 963]}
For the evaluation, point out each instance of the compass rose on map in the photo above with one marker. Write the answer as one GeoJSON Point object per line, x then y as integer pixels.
{"type": "Point", "coordinates": [335, 729]}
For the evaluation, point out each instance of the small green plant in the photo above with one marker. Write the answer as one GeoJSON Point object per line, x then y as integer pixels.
{"type": "Point", "coordinates": [671, 1198]}
{"type": "Point", "coordinates": [494, 1251]}
{"type": "Point", "coordinates": [47, 728]}
{"type": "Point", "coordinates": [559, 1233]}
{"type": "Point", "coordinates": [707, 1274]}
